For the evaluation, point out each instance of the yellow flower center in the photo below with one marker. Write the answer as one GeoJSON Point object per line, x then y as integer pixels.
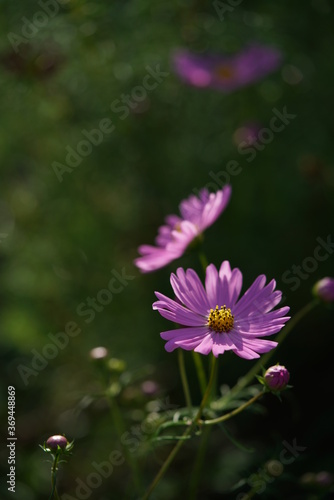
{"type": "Point", "coordinates": [221, 320]}
{"type": "Point", "coordinates": [224, 72]}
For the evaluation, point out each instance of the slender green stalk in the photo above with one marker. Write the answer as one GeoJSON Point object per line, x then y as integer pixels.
{"type": "Point", "coordinates": [119, 425]}
{"type": "Point", "coordinates": [184, 379]}
{"type": "Point", "coordinates": [196, 472]}
{"type": "Point", "coordinates": [244, 381]}
{"type": "Point", "coordinates": [207, 392]}
{"type": "Point", "coordinates": [120, 429]}
{"type": "Point", "coordinates": [165, 465]}
{"type": "Point", "coordinates": [214, 384]}
{"type": "Point", "coordinates": [251, 493]}
{"type": "Point", "coordinates": [166, 425]}
{"type": "Point", "coordinates": [186, 433]}
{"type": "Point", "coordinates": [54, 470]}
{"type": "Point", "coordinates": [200, 371]}
{"type": "Point", "coordinates": [232, 413]}
{"type": "Point", "coordinates": [203, 260]}
{"type": "Point", "coordinates": [195, 475]}
{"type": "Point", "coordinates": [196, 356]}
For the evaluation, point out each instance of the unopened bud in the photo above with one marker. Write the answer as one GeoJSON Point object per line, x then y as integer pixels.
{"type": "Point", "coordinates": [276, 378]}
{"type": "Point", "coordinates": [324, 289]}
{"type": "Point", "coordinates": [54, 441]}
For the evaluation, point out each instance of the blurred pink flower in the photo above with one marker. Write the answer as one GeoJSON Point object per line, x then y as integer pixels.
{"type": "Point", "coordinates": [226, 72]}
{"type": "Point", "coordinates": [197, 213]}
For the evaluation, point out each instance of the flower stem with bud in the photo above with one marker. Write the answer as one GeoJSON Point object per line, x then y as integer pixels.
{"type": "Point", "coordinates": [56, 446]}
{"type": "Point", "coordinates": [186, 433]}
{"type": "Point", "coordinates": [244, 381]}
{"type": "Point", "coordinates": [104, 366]}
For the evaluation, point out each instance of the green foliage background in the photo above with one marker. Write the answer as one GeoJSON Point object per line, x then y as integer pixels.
{"type": "Point", "coordinates": [63, 239]}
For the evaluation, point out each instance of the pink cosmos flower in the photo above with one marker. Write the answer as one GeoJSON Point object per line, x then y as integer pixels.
{"type": "Point", "coordinates": [215, 319]}
{"type": "Point", "coordinates": [224, 72]}
{"type": "Point", "coordinates": [197, 214]}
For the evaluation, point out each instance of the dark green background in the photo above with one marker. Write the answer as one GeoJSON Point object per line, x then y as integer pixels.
{"type": "Point", "coordinates": [63, 239]}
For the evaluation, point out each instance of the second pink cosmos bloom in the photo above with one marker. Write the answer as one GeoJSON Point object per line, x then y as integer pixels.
{"type": "Point", "coordinates": [196, 214]}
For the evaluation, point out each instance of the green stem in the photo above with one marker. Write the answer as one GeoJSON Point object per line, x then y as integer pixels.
{"type": "Point", "coordinates": [54, 469]}
{"type": "Point", "coordinates": [251, 493]}
{"type": "Point", "coordinates": [120, 429]}
{"type": "Point", "coordinates": [196, 356]}
{"type": "Point", "coordinates": [215, 376]}
{"type": "Point", "coordinates": [166, 425]}
{"type": "Point", "coordinates": [207, 392]}
{"type": "Point", "coordinates": [172, 438]}
{"type": "Point", "coordinates": [203, 260]}
{"type": "Point", "coordinates": [200, 371]}
{"type": "Point", "coordinates": [241, 408]}
{"type": "Point", "coordinates": [244, 381]}
{"type": "Point", "coordinates": [184, 379]}
{"type": "Point", "coordinates": [196, 472]}
{"type": "Point", "coordinates": [186, 433]}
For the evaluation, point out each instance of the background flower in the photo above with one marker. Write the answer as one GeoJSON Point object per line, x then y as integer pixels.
{"type": "Point", "coordinates": [197, 213]}
{"type": "Point", "coordinates": [226, 72]}
{"type": "Point", "coordinates": [216, 320]}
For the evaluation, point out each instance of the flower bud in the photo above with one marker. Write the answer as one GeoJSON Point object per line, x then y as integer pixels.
{"type": "Point", "coordinates": [54, 441]}
{"type": "Point", "coordinates": [324, 289]}
{"type": "Point", "coordinates": [276, 378]}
